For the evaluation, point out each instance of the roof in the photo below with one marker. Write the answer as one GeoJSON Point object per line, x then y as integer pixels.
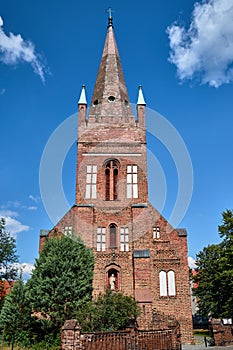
{"type": "Point", "coordinates": [182, 232]}
{"type": "Point", "coordinates": [110, 97]}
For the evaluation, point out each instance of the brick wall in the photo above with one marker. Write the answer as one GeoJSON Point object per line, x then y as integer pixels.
{"type": "Point", "coordinates": [222, 333]}
{"type": "Point", "coordinates": [138, 277]}
{"type": "Point", "coordinates": [73, 339]}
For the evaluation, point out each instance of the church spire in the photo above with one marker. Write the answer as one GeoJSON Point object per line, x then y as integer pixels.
{"type": "Point", "coordinates": [110, 97]}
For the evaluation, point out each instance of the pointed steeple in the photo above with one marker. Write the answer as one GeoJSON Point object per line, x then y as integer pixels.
{"type": "Point", "coordinates": [141, 105]}
{"type": "Point", "coordinates": [110, 97]}
{"type": "Point", "coordinates": [82, 107]}
{"type": "Point", "coordinates": [141, 100]}
{"type": "Point", "coordinates": [82, 99]}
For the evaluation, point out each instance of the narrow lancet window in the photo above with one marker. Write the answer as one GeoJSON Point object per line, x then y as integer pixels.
{"type": "Point", "coordinates": [167, 283]}
{"type": "Point", "coordinates": [111, 180]}
{"type": "Point", "coordinates": [163, 283]}
{"type": "Point", "coordinates": [113, 233]}
{"type": "Point", "coordinates": [171, 283]}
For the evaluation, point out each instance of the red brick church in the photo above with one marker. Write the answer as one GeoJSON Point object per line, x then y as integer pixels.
{"type": "Point", "coordinates": [136, 250]}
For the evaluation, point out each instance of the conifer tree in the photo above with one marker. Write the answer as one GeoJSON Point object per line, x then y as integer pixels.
{"type": "Point", "coordinates": [8, 256]}
{"type": "Point", "coordinates": [15, 313]}
{"type": "Point", "coordinates": [61, 282]}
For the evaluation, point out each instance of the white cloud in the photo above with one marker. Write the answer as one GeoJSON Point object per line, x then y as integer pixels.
{"type": "Point", "coordinates": [11, 204]}
{"type": "Point", "coordinates": [2, 91]}
{"type": "Point", "coordinates": [32, 207]}
{"type": "Point", "coordinates": [192, 263]}
{"type": "Point", "coordinates": [26, 269]}
{"type": "Point", "coordinates": [18, 205]}
{"type": "Point", "coordinates": [13, 225]}
{"type": "Point", "coordinates": [34, 198]}
{"type": "Point", "coordinates": [205, 49]}
{"type": "Point", "coordinates": [14, 49]}
{"type": "Point", "coordinates": [7, 212]}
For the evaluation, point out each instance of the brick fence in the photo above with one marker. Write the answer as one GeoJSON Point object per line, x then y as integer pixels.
{"type": "Point", "coordinates": [133, 339]}
{"type": "Point", "coordinates": [222, 333]}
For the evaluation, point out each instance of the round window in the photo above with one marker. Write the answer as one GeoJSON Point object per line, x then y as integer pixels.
{"type": "Point", "coordinates": [111, 99]}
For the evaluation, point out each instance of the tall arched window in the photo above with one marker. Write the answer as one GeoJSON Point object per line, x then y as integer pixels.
{"type": "Point", "coordinates": [171, 283]}
{"type": "Point", "coordinates": [163, 283]}
{"type": "Point", "coordinates": [111, 179]}
{"type": "Point", "coordinates": [112, 234]}
{"type": "Point", "coordinates": [167, 283]}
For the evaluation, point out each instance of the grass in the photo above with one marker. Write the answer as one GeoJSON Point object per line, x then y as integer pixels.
{"type": "Point", "coordinates": [201, 332]}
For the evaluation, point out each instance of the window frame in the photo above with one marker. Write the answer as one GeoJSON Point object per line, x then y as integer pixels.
{"type": "Point", "coordinates": [124, 239]}
{"type": "Point", "coordinates": [101, 239]}
{"type": "Point", "coordinates": [167, 283]}
{"type": "Point", "coordinates": [91, 181]}
{"type": "Point", "coordinates": [132, 181]}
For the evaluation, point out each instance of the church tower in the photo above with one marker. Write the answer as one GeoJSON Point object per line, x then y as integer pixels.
{"type": "Point", "coordinates": [136, 250]}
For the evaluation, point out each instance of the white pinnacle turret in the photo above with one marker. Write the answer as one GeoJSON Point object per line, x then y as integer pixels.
{"type": "Point", "coordinates": [141, 100]}
{"type": "Point", "coordinates": [82, 99]}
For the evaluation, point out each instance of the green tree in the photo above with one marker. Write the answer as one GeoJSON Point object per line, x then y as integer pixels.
{"type": "Point", "coordinates": [226, 232]}
{"type": "Point", "coordinates": [110, 311]}
{"type": "Point", "coordinates": [15, 314]}
{"type": "Point", "coordinates": [8, 256]}
{"type": "Point", "coordinates": [215, 273]}
{"type": "Point", "coordinates": [61, 282]}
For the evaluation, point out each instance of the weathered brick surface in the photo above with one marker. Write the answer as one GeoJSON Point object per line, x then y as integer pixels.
{"type": "Point", "coordinates": [132, 338]}
{"type": "Point", "coordinates": [111, 132]}
{"type": "Point", "coordinates": [223, 333]}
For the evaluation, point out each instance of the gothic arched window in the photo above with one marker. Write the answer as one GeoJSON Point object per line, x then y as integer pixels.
{"type": "Point", "coordinates": [113, 234]}
{"type": "Point", "coordinates": [111, 179]}
{"type": "Point", "coordinates": [171, 283]}
{"type": "Point", "coordinates": [167, 283]}
{"type": "Point", "coordinates": [163, 283]}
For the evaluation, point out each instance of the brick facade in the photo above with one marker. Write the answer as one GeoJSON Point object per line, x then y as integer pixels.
{"type": "Point", "coordinates": [168, 337]}
{"type": "Point", "coordinates": [130, 238]}
{"type": "Point", "coordinates": [222, 333]}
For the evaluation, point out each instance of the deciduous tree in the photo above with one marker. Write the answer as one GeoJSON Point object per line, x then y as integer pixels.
{"type": "Point", "coordinates": [110, 311]}
{"type": "Point", "coordinates": [215, 273]}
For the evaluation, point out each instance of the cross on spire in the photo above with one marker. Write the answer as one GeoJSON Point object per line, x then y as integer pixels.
{"type": "Point", "coordinates": [110, 11]}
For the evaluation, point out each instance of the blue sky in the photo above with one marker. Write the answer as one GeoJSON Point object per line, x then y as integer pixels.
{"type": "Point", "coordinates": [182, 54]}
